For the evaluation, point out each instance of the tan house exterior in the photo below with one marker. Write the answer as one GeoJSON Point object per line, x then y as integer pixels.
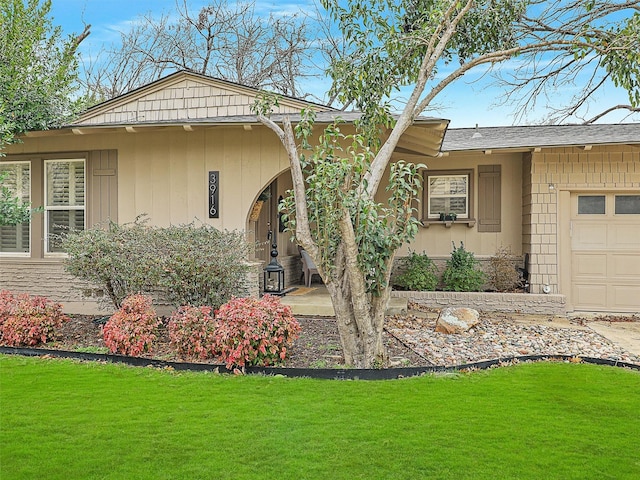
{"type": "Point", "coordinates": [568, 196]}
{"type": "Point", "coordinates": [182, 149]}
{"type": "Point", "coordinates": [188, 148]}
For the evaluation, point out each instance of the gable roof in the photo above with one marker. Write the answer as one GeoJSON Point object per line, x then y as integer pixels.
{"type": "Point", "coordinates": [494, 138]}
{"type": "Point", "coordinates": [184, 97]}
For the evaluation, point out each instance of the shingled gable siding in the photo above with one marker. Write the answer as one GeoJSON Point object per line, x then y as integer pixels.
{"type": "Point", "coordinates": [183, 101]}
{"type": "Point", "coordinates": [603, 167]}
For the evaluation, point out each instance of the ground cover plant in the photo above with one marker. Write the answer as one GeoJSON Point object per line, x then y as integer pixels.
{"type": "Point", "coordinates": [62, 419]}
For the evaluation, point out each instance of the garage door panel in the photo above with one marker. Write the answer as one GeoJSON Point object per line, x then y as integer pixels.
{"type": "Point", "coordinates": [624, 236]}
{"type": "Point", "coordinates": [590, 295]}
{"type": "Point", "coordinates": [625, 266]}
{"type": "Point", "coordinates": [589, 236]}
{"type": "Point", "coordinates": [625, 298]}
{"type": "Point", "coordinates": [589, 264]}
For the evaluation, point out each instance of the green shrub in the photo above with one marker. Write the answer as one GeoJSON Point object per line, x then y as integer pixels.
{"type": "Point", "coordinates": [188, 264]}
{"type": "Point", "coordinates": [419, 273]}
{"type": "Point", "coordinates": [131, 330]}
{"type": "Point", "coordinates": [200, 265]}
{"type": "Point", "coordinates": [502, 274]}
{"type": "Point", "coordinates": [27, 321]}
{"type": "Point", "coordinates": [462, 272]}
{"type": "Point", "coordinates": [117, 258]}
{"type": "Point", "coordinates": [254, 331]}
{"type": "Point", "coordinates": [192, 331]}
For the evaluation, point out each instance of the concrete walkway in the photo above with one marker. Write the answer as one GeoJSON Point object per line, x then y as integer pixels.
{"type": "Point", "coordinates": [624, 334]}
{"type": "Point", "coordinates": [315, 301]}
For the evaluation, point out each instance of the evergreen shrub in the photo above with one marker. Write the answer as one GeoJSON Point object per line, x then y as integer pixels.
{"type": "Point", "coordinates": [192, 331]}
{"type": "Point", "coordinates": [418, 273]}
{"type": "Point", "coordinates": [462, 272]}
{"type": "Point", "coordinates": [27, 321]}
{"type": "Point", "coordinates": [131, 330]}
{"type": "Point", "coordinates": [253, 331]}
{"type": "Point", "coordinates": [185, 264]}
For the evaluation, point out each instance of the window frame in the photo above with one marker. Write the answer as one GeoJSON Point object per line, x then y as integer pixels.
{"type": "Point", "coordinates": [427, 174]}
{"type": "Point", "coordinates": [616, 206]}
{"type": "Point", "coordinates": [26, 254]}
{"type": "Point", "coordinates": [605, 204]}
{"type": "Point", "coordinates": [48, 208]}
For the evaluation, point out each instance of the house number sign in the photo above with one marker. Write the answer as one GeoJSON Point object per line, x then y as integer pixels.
{"type": "Point", "coordinates": [214, 191]}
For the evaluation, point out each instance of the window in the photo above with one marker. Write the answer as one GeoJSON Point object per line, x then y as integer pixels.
{"type": "Point", "coordinates": [591, 205]}
{"type": "Point", "coordinates": [627, 204]}
{"type": "Point", "coordinates": [64, 199]}
{"type": "Point", "coordinates": [448, 192]}
{"type": "Point", "coordinates": [14, 239]}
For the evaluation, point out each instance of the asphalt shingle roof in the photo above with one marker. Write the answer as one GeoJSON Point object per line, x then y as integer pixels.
{"type": "Point", "coordinates": [461, 139]}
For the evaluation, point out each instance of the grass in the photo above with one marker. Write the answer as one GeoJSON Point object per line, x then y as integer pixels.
{"type": "Point", "coordinates": [63, 419]}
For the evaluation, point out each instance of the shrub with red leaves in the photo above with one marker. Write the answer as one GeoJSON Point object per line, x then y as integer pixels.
{"type": "Point", "coordinates": [28, 321]}
{"type": "Point", "coordinates": [192, 331]}
{"type": "Point", "coordinates": [131, 330]}
{"type": "Point", "coordinates": [255, 332]}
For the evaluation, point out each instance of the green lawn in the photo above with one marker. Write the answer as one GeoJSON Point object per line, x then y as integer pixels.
{"type": "Point", "coordinates": [69, 420]}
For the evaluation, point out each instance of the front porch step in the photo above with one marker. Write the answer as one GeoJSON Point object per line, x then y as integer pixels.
{"type": "Point", "coordinates": [318, 303]}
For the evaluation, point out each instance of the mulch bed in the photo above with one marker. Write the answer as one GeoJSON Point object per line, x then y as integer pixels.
{"type": "Point", "coordinates": [318, 345]}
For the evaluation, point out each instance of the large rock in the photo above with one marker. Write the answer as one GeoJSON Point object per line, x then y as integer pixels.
{"type": "Point", "coordinates": [457, 320]}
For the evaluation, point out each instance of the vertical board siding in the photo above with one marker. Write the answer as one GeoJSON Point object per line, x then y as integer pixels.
{"type": "Point", "coordinates": [103, 186]}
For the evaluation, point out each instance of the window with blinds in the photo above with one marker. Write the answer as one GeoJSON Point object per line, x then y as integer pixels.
{"type": "Point", "coordinates": [64, 200]}
{"type": "Point", "coordinates": [448, 192]}
{"type": "Point", "coordinates": [14, 239]}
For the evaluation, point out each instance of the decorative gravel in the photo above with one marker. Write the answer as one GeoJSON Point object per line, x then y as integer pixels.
{"type": "Point", "coordinates": [502, 338]}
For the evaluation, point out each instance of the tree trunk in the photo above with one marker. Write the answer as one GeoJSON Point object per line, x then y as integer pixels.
{"type": "Point", "coordinates": [361, 337]}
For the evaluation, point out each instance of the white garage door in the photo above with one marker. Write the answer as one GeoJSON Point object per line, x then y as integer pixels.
{"type": "Point", "coordinates": [605, 252]}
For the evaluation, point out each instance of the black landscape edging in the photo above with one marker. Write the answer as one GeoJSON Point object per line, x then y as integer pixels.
{"type": "Point", "coordinates": [318, 373]}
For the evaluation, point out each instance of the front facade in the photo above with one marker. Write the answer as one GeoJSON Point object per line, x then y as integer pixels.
{"type": "Point", "coordinates": [568, 196]}
{"type": "Point", "coordinates": [188, 148]}
{"type": "Point", "coordinates": [185, 148]}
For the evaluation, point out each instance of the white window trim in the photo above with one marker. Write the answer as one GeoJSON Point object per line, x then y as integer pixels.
{"type": "Point", "coordinates": [26, 254]}
{"type": "Point", "coordinates": [47, 253]}
{"type": "Point", "coordinates": [467, 196]}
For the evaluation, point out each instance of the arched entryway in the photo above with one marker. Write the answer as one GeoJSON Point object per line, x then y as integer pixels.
{"type": "Point", "coordinates": [263, 217]}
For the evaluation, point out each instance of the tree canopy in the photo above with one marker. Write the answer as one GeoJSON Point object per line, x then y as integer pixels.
{"type": "Point", "coordinates": [424, 45]}
{"type": "Point", "coordinates": [38, 69]}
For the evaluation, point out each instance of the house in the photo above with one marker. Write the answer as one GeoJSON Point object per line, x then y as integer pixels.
{"type": "Point", "coordinates": [568, 196]}
{"type": "Point", "coordinates": [187, 147]}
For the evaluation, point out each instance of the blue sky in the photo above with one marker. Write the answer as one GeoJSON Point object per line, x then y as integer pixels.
{"type": "Point", "coordinates": [469, 102]}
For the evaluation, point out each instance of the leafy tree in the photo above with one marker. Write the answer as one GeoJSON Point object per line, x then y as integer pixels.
{"type": "Point", "coordinates": [13, 211]}
{"type": "Point", "coordinates": [424, 45]}
{"type": "Point", "coordinates": [38, 69]}
{"type": "Point", "coordinates": [38, 72]}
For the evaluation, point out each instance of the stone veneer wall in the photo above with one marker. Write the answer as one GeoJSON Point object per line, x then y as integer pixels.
{"type": "Point", "coordinates": [573, 169]}
{"type": "Point", "coordinates": [48, 278]}
{"type": "Point", "coordinates": [539, 304]}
